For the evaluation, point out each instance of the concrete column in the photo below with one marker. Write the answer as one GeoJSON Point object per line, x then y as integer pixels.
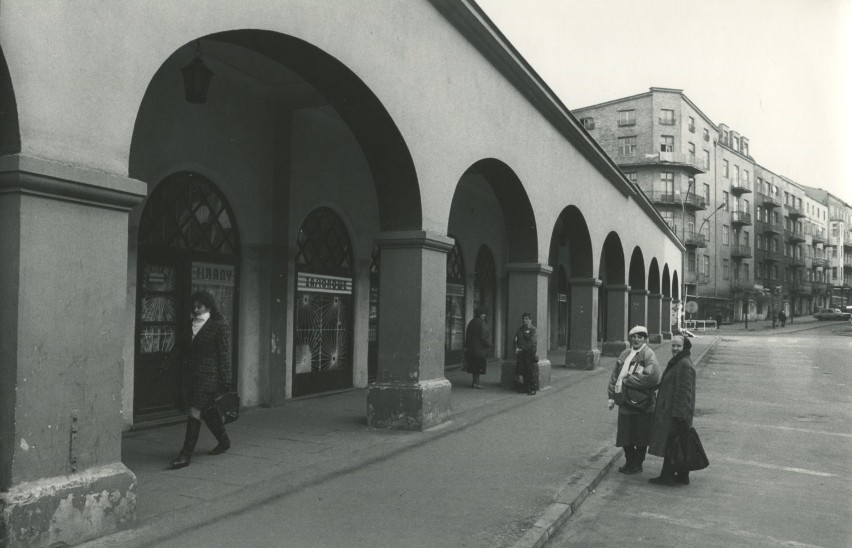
{"type": "Point", "coordinates": [655, 332]}
{"type": "Point", "coordinates": [616, 321]}
{"type": "Point", "coordinates": [583, 350]}
{"type": "Point", "coordinates": [638, 314]}
{"type": "Point", "coordinates": [666, 318]}
{"type": "Point", "coordinates": [410, 392]}
{"type": "Point", "coordinates": [527, 293]}
{"type": "Point", "coordinates": [63, 296]}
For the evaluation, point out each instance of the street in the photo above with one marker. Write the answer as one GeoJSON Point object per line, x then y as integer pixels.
{"type": "Point", "coordinates": [774, 412]}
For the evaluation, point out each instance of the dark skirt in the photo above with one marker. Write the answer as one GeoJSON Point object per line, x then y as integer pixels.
{"type": "Point", "coordinates": [634, 429]}
{"type": "Point", "coordinates": [476, 365]}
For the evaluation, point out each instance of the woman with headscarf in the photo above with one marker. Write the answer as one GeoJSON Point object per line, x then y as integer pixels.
{"type": "Point", "coordinates": [476, 343]}
{"type": "Point", "coordinates": [637, 369]}
{"type": "Point", "coordinates": [208, 363]}
{"type": "Point", "coordinates": [675, 408]}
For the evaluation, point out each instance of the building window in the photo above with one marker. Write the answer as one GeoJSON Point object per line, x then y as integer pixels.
{"type": "Point", "coordinates": [726, 269]}
{"type": "Point", "coordinates": [706, 159]}
{"type": "Point", "coordinates": [588, 123]}
{"type": "Point", "coordinates": [626, 117]}
{"type": "Point", "coordinates": [706, 134]}
{"type": "Point", "coordinates": [627, 145]}
{"type": "Point", "coordinates": [667, 143]}
{"type": "Point", "coordinates": [737, 173]}
{"type": "Point", "coordinates": [758, 241]}
{"type": "Point", "coordinates": [631, 176]}
{"type": "Point", "coordinates": [760, 185]}
{"type": "Point", "coordinates": [759, 213]}
{"type": "Point", "coordinates": [736, 143]}
{"type": "Point", "coordinates": [667, 117]}
{"type": "Point", "coordinates": [725, 200]}
{"type": "Point", "coordinates": [667, 182]}
{"type": "Point", "coordinates": [692, 124]}
{"type": "Point", "coordinates": [690, 262]}
{"type": "Point", "coordinates": [691, 153]}
{"type": "Point", "coordinates": [745, 147]}
{"type": "Point", "coordinates": [775, 217]}
{"type": "Point", "coordinates": [705, 265]}
{"type": "Point", "coordinates": [725, 169]}
{"type": "Point", "coordinates": [706, 193]}
{"type": "Point", "coordinates": [725, 234]}
{"type": "Point", "coordinates": [668, 217]}
{"type": "Point", "coordinates": [746, 176]}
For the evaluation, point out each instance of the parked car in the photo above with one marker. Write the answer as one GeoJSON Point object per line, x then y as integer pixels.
{"type": "Point", "coordinates": [832, 314]}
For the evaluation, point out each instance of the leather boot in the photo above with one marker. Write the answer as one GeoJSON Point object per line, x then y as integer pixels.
{"type": "Point", "coordinates": [666, 476]}
{"type": "Point", "coordinates": [193, 427]}
{"type": "Point", "coordinates": [214, 422]}
{"type": "Point", "coordinates": [628, 460]}
{"type": "Point", "coordinates": [682, 477]}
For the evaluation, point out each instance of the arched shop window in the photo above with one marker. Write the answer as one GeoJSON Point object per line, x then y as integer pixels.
{"type": "Point", "coordinates": [454, 328]}
{"type": "Point", "coordinates": [322, 335]}
{"type": "Point", "coordinates": [485, 285]}
{"type": "Point", "coordinates": [188, 241]}
{"type": "Point", "coordinates": [373, 324]}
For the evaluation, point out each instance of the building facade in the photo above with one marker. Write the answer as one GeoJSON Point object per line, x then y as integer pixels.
{"type": "Point", "coordinates": [349, 182]}
{"type": "Point", "coordinates": [757, 242]}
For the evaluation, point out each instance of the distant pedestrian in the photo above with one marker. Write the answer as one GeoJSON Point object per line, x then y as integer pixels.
{"type": "Point", "coordinates": [208, 364]}
{"type": "Point", "coordinates": [637, 369]}
{"type": "Point", "coordinates": [675, 409]}
{"type": "Point", "coordinates": [718, 320]}
{"type": "Point", "coordinates": [476, 345]}
{"type": "Point", "coordinates": [782, 318]}
{"type": "Point", "coordinates": [526, 349]}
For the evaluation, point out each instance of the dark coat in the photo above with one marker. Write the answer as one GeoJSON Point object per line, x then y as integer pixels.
{"type": "Point", "coordinates": [675, 399]}
{"type": "Point", "coordinates": [208, 363]}
{"type": "Point", "coordinates": [477, 339]}
{"type": "Point", "coordinates": [634, 427]}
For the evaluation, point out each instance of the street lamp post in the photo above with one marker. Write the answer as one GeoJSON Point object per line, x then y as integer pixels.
{"type": "Point", "coordinates": [683, 239]}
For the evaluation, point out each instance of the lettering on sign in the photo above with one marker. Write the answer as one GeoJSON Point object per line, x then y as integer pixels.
{"type": "Point", "coordinates": [208, 274]}
{"type": "Point", "coordinates": [320, 283]}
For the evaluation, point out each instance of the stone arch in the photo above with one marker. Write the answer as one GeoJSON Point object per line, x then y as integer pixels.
{"type": "Point", "coordinates": [10, 132]}
{"type": "Point", "coordinates": [666, 284]}
{"type": "Point", "coordinates": [612, 300]}
{"type": "Point", "coordinates": [571, 258]}
{"type": "Point", "coordinates": [654, 277]}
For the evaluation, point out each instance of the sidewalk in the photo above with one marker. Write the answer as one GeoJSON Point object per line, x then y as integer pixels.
{"type": "Point", "coordinates": [282, 451]}
{"type": "Point", "coordinates": [764, 327]}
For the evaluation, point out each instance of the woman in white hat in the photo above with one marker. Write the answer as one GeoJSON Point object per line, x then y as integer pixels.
{"type": "Point", "coordinates": [632, 384]}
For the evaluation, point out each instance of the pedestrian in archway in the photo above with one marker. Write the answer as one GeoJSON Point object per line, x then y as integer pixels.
{"type": "Point", "coordinates": [632, 384]}
{"type": "Point", "coordinates": [526, 349]}
{"type": "Point", "coordinates": [208, 365]}
{"type": "Point", "coordinates": [674, 410]}
{"type": "Point", "coordinates": [477, 342]}
{"type": "Point", "coordinates": [782, 318]}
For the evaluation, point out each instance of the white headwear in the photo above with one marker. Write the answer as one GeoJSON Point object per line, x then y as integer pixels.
{"type": "Point", "coordinates": [640, 330]}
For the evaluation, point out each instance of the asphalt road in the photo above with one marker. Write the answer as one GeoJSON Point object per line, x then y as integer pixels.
{"type": "Point", "coordinates": [775, 415]}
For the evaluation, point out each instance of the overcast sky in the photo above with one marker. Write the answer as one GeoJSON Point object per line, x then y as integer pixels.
{"type": "Point", "coordinates": [776, 71]}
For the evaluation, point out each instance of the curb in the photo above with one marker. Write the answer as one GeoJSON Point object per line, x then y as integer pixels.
{"type": "Point", "coordinates": [586, 479]}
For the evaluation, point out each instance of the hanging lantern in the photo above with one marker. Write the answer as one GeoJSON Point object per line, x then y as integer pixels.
{"type": "Point", "coordinates": [196, 78]}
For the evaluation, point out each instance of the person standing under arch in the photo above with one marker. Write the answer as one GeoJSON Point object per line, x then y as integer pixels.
{"type": "Point", "coordinates": [208, 364]}
{"type": "Point", "coordinates": [526, 348]}
{"type": "Point", "coordinates": [477, 343]}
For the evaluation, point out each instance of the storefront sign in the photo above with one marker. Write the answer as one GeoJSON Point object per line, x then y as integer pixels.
{"type": "Point", "coordinates": [207, 274]}
{"type": "Point", "coordinates": [319, 283]}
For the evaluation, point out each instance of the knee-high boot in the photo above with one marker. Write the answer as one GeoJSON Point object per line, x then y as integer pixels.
{"type": "Point", "coordinates": [193, 427]}
{"type": "Point", "coordinates": [628, 459]}
{"type": "Point", "coordinates": [666, 476]}
{"type": "Point", "coordinates": [214, 422]}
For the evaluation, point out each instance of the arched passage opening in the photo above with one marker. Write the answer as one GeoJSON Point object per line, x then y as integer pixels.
{"type": "Point", "coordinates": [638, 299]}
{"type": "Point", "coordinates": [286, 129]}
{"type": "Point", "coordinates": [10, 132]}
{"type": "Point", "coordinates": [612, 300]}
{"type": "Point", "coordinates": [490, 210]}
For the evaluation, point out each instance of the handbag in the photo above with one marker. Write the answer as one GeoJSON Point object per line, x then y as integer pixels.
{"type": "Point", "coordinates": [685, 451]}
{"type": "Point", "coordinates": [228, 406]}
{"type": "Point", "coordinates": [634, 399]}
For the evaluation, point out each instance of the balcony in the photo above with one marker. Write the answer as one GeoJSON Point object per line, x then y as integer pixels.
{"type": "Point", "coordinates": [741, 218]}
{"type": "Point", "coordinates": [691, 128]}
{"type": "Point", "coordinates": [794, 213]}
{"type": "Point", "coordinates": [833, 241]}
{"type": "Point", "coordinates": [817, 238]}
{"type": "Point", "coordinates": [793, 236]}
{"type": "Point", "coordinates": [740, 187]}
{"type": "Point", "coordinates": [818, 262]}
{"type": "Point", "coordinates": [652, 157]}
{"type": "Point", "coordinates": [769, 228]}
{"type": "Point", "coordinates": [819, 287]}
{"type": "Point", "coordinates": [801, 287]}
{"type": "Point", "coordinates": [773, 256]}
{"type": "Point", "coordinates": [798, 262]}
{"type": "Point", "coordinates": [742, 284]}
{"type": "Point", "coordinates": [697, 278]}
{"type": "Point", "coordinates": [771, 201]}
{"type": "Point", "coordinates": [847, 262]}
{"type": "Point", "coordinates": [694, 239]}
{"type": "Point", "coordinates": [741, 251]}
{"type": "Point", "coordinates": [691, 200]}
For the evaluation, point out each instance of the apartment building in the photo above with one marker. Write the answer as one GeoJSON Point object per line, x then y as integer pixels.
{"type": "Point", "coordinates": [757, 241]}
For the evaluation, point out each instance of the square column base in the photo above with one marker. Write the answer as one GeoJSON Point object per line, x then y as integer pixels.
{"type": "Point", "coordinates": [67, 510]}
{"type": "Point", "coordinates": [656, 338]}
{"type": "Point", "coordinates": [667, 336]}
{"type": "Point", "coordinates": [408, 406]}
{"type": "Point", "coordinates": [613, 348]}
{"type": "Point", "coordinates": [507, 374]}
{"type": "Point", "coordinates": [582, 359]}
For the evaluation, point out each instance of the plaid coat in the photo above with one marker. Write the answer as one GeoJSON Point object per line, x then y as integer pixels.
{"type": "Point", "coordinates": [209, 363]}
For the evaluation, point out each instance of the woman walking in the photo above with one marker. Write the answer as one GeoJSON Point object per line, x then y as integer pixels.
{"type": "Point", "coordinates": [526, 348]}
{"type": "Point", "coordinates": [675, 408]}
{"type": "Point", "coordinates": [636, 369]}
{"type": "Point", "coordinates": [477, 342]}
{"type": "Point", "coordinates": [209, 373]}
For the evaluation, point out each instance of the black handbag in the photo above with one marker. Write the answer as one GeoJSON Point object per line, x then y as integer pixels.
{"type": "Point", "coordinates": [228, 406]}
{"type": "Point", "coordinates": [634, 399]}
{"type": "Point", "coordinates": [686, 452]}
